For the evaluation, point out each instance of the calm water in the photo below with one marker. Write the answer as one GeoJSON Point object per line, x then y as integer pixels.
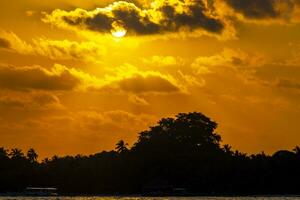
{"type": "Point", "coordinates": [149, 198]}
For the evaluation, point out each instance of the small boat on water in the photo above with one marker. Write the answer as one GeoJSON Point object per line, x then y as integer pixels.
{"type": "Point", "coordinates": [40, 191]}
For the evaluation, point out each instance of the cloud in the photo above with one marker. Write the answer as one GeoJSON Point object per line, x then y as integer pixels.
{"type": "Point", "coordinates": [54, 49]}
{"type": "Point", "coordinates": [163, 61]}
{"type": "Point", "coordinates": [265, 9]}
{"type": "Point", "coordinates": [235, 59]}
{"type": "Point", "coordinates": [4, 43]}
{"type": "Point", "coordinates": [230, 65]}
{"type": "Point", "coordinates": [129, 79]}
{"type": "Point", "coordinates": [255, 9]}
{"type": "Point", "coordinates": [65, 49]}
{"type": "Point", "coordinates": [117, 120]}
{"type": "Point", "coordinates": [36, 77]}
{"type": "Point", "coordinates": [160, 17]}
{"type": "Point", "coordinates": [108, 123]}
{"type": "Point", "coordinates": [213, 17]}
{"type": "Point", "coordinates": [125, 79]}
{"type": "Point", "coordinates": [42, 99]}
{"type": "Point", "coordinates": [191, 80]}
{"type": "Point", "coordinates": [288, 84]}
{"type": "Point", "coordinates": [30, 101]}
{"type": "Point", "coordinates": [138, 84]}
{"type": "Point", "coordinates": [10, 102]}
{"type": "Point", "coordinates": [88, 129]}
{"type": "Point", "coordinates": [137, 100]}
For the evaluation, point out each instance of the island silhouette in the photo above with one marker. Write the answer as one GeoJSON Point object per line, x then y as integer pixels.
{"type": "Point", "coordinates": [177, 156]}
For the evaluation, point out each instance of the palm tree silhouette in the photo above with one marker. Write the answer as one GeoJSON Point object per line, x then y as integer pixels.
{"type": "Point", "coordinates": [121, 146]}
{"type": "Point", "coordinates": [16, 153]}
{"type": "Point", "coordinates": [32, 155]}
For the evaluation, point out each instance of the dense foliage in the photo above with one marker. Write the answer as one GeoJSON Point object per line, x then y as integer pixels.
{"type": "Point", "coordinates": [182, 152]}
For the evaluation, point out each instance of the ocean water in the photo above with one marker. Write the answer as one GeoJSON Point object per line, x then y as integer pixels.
{"type": "Point", "coordinates": [150, 198]}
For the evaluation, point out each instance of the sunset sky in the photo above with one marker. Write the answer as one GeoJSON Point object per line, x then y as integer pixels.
{"type": "Point", "coordinates": [76, 76]}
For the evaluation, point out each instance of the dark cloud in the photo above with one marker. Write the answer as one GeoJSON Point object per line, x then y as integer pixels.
{"type": "Point", "coordinates": [193, 18]}
{"type": "Point", "coordinates": [23, 78]}
{"type": "Point", "coordinates": [263, 9]}
{"type": "Point", "coordinates": [132, 19]}
{"type": "Point", "coordinates": [4, 43]}
{"type": "Point", "coordinates": [160, 17]}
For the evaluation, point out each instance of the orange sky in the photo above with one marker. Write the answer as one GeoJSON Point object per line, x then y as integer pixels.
{"type": "Point", "coordinates": [78, 75]}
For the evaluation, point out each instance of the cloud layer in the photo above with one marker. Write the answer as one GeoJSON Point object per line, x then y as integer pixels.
{"type": "Point", "coordinates": [54, 49]}
{"type": "Point", "coordinates": [35, 77]}
{"type": "Point", "coordinates": [172, 16]}
{"type": "Point", "coordinates": [160, 17]}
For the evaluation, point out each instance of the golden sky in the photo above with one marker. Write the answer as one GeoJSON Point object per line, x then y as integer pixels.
{"type": "Point", "coordinates": [78, 75]}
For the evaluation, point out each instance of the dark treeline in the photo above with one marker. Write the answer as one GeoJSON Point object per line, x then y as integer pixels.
{"type": "Point", "coordinates": [182, 152]}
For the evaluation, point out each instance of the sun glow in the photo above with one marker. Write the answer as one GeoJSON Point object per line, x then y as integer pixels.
{"type": "Point", "coordinates": [118, 29]}
{"type": "Point", "coordinates": [119, 33]}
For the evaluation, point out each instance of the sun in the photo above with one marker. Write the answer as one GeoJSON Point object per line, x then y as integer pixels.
{"type": "Point", "coordinates": [119, 33]}
{"type": "Point", "coordinates": [118, 30]}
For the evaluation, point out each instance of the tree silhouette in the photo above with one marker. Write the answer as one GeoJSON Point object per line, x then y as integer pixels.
{"type": "Point", "coordinates": [3, 152]}
{"type": "Point", "coordinates": [227, 149]}
{"type": "Point", "coordinates": [189, 132]}
{"type": "Point", "coordinates": [32, 155]}
{"type": "Point", "coordinates": [121, 147]}
{"type": "Point", "coordinates": [182, 152]}
{"type": "Point", "coordinates": [297, 150]}
{"type": "Point", "coordinates": [16, 153]}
